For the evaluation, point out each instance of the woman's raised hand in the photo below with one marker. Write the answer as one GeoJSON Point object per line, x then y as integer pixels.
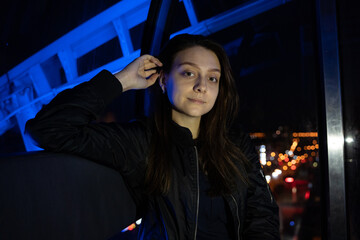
{"type": "Point", "coordinates": [140, 73]}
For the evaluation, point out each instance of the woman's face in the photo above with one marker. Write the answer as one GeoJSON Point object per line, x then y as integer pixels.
{"type": "Point", "coordinates": [193, 82]}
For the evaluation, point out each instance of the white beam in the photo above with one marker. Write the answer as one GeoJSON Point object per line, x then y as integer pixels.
{"type": "Point", "coordinates": [39, 80]}
{"type": "Point", "coordinates": [68, 62]}
{"type": "Point", "coordinates": [124, 36]}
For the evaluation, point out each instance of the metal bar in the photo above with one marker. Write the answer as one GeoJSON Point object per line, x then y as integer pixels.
{"type": "Point", "coordinates": [231, 17]}
{"type": "Point", "coordinates": [156, 26]}
{"type": "Point", "coordinates": [68, 62]}
{"type": "Point", "coordinates": [124, 36]}
{"type": "Point", "coordinates": [39, 80]}
{"type": "Point", "coordinates": [190, 12]}
{"type": "Point", "coordinates": [156, 32]}
{"type": "Point", "coordinates": [329, 51]}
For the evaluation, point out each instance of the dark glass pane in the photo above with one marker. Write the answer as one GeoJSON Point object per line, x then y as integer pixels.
{"type": "Point", "coordinates": [274, 59]}
{"type": "Point", "coordinates": [136, 35]}
{"type": "Point", "coordinates": [98, 57]}
{"type": "Point", "coordinates": [349, 41]}
{"type": "Point", "coordinates": [31, 27]}
{"type": "Point", "coordinates": [180, 19]}
{"type": "Point", "coordinates": [54, 71]}
{"type": "Point", "coordinates": [208, 8]}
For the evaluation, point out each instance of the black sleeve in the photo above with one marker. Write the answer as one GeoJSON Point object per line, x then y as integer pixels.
{"type": "Point", "coordinates": [66, 124]}
{"type": "Point", "coordinates": [262, 212]}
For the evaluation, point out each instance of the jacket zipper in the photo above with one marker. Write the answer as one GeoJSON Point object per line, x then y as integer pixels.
{"type": "Point", "coordinates": [238, 218]}
{"type": "Point", "coordinates": [198, 193]}
{"type": "Point", "coordinates": [267, 186]}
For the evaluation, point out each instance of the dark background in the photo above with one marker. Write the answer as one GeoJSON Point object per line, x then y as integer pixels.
{"type": "Point", "coordinates": [276, 65]}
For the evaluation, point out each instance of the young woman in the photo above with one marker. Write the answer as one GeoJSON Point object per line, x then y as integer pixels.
{"type": "Point", "coordinates": [190, 176]}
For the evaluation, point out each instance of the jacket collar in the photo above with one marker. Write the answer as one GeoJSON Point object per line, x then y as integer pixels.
{"type": "Point", "coordinates": [181, 135]}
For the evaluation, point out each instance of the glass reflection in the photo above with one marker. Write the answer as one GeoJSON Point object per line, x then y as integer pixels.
{"type": "Point", "coordinates": [274, 60]}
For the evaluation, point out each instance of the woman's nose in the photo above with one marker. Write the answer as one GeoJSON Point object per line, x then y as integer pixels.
{"type": "Point", "coordinates": [200, 85]}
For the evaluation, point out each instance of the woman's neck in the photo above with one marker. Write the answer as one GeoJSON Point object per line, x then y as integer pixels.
{"type": "Point", "coordinates": [192, 123]}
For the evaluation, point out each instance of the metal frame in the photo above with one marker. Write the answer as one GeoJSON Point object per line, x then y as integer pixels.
{"type": "Point", "coordinates": [329, 51]}
{"type": "Point", "coordinates": [113, 22]}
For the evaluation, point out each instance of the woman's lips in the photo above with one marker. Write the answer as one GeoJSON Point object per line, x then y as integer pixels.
{"type": "Point", "coordinates": [198, 101]}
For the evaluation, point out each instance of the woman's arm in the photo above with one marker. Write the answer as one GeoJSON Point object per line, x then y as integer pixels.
{"type": "Point", "coordinates": [66, 123]}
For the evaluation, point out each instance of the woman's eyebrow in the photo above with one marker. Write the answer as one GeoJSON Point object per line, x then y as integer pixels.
{"type": "Point", "coordinates": [196, 66]}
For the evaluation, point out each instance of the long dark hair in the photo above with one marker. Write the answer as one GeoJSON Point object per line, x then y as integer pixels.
{"type": "Point", "coordinates": [217, 152]}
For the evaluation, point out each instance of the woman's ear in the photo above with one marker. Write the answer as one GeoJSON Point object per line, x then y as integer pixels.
{"type": "Point", "coordinates": [162, 81]}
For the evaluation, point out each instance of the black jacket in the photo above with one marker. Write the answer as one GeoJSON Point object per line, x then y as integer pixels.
{"type": "Point", "coordinates": [66, 125]}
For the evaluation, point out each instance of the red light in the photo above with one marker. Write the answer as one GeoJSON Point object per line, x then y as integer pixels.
{"type": "Point", "coordinates": [307, 195]}
{"type": "Point", "coordinates": [289, 179]}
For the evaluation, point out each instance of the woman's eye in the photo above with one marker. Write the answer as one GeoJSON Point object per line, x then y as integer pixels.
{"type": "Point", "coordinates": [213, 79]}
{"type": "Point", "coordinates": [188, 74]}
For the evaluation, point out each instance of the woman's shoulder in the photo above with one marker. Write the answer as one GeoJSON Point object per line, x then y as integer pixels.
{"type": "Point", "coordinates": [238, 135]}
{"type": "Point", "coordinates": [241, 138]}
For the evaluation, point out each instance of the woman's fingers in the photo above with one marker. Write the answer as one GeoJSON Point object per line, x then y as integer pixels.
{"type": "Point", "coordinates": [149, 66]}
{"type": "Point", "coordinates": [150, 72]}
{"type": "Point", "coordinates": [148, 59]}
{"type": "Point", "coordinates": [152, 79]}
{"type": "Point", "coordinates": [140, 73]}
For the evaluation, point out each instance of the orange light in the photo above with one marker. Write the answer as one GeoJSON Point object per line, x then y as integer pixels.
{"type": "Point", "coordinates": [305, 134]}
{"type": "Point", "coordinates": [293, 167]}
{"type": "Point", "coordinates": [285, 168]}
{"type": "Point", "coordinates": [313, 154]}
{"type": "Point", "coordinates": [268, 163]}
{"type": "Point", "coordinates": [314, 142]}
{"type": "Point", "coordinates": [298, 149]}
{"type": "Point", "coordinates": [131, 227]}
{"type": "Point", "coordinates": [289, 164]}
{"type": "Point", "coordinates": [273, 154]}
{"type": "Point", "coordinates": [257, 135]}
